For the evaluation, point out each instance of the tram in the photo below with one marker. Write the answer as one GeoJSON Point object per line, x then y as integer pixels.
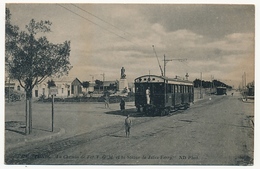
{"type": "Point", "coordinates": [221, 91]}
{"type": "Point", "coordinates": [159, 95]}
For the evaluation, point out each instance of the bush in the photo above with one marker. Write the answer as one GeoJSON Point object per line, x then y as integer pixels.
{"type": "Point", "coordinates": [112, 99]}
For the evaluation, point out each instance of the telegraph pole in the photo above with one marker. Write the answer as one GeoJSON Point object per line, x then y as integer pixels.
{"type": "Point", "coordinates": [103, 82]}
{"type": "Point", "coordinates": [245, 78]}
{"type": "Point", "coordinates": [200, 85]}
{"type": "Point", "coordinates": [92, 78]}
{"type": "Point", "coordinates": [165, 61]}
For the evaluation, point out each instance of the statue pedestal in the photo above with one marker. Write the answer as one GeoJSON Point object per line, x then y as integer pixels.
{"type": "Point", "coordinates": [123, 84]}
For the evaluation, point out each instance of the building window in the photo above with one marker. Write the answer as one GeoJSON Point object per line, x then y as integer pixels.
{"type": "Point", "coordinates": [62, 90]}
{"type": "Point", "coordinates": [72, 89]}
{"type": "Point", "coordinates": [43, 91]}
{"type": "Point", "coordinates": [18, 88]}
{"type": "Point", "coordinates": [36, 93]}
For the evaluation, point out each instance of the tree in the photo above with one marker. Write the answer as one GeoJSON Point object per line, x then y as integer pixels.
{"type": "Point", "coordinates": [209, 84]}
{"type": "Point", "coordinates": [51, 83]}
{"type": "Point", "coordinates": [99, 83]}
{"type": "Point", "coordinates": [85, 84]}
{"type": "Point", "coordinates": [32, 58]}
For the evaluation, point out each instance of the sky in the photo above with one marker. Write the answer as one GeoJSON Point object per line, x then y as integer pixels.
{"type": "Point", "coordinates": [217, 41]}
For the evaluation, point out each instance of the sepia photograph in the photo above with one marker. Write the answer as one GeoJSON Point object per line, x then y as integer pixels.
{"type": "Point", "coordinates": [129, 84]}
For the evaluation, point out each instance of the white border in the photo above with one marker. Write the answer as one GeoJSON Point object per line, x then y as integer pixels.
{"type": "Point", "coordinates": [2, 34]}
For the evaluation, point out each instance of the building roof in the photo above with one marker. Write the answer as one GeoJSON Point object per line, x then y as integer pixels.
{"type": "Point", "coordinates": [107, 83]}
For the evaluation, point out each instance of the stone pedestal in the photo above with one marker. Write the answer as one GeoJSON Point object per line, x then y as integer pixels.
{"type": "Point", "coordinates": [123, 84]}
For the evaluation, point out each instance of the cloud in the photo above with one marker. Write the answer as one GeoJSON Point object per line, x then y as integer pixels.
{"type": "Point", "coordinates": [215, 39]}
{"type": "Point", "coordinates": [209, 20]}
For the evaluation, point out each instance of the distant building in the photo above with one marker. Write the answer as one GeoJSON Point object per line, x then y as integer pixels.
{"type": "Point", "coordinates": [67, 87]}
{"type": "Point", "coordinates": [110, 85]}
{"type": "Point", "coordinates": [76, 87]}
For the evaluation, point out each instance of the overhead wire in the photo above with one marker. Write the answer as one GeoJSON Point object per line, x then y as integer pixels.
{"type": "Point", "coordinates": [108, 22]}
{"type": "Point", "coordinates": [95, 23]}
{"type": "Point", "coordinates": [100, 19]}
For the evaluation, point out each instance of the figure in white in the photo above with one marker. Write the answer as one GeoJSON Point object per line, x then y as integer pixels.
{"type": "Point", "coordinates": [148, 95]}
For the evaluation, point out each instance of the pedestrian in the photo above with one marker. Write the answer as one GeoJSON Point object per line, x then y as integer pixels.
{"type": "Point", "coordinates": [122, 105]}
{"type": "Point", "coordinates": [106, 100]}
{"type": "Point", "coordinates": [128, 123]}
{"type": "Point", "coordinates": [148, 95]}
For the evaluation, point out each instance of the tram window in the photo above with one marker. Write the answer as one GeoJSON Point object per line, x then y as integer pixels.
{"type": "Point", "coordinates": [154, 89]}
{"type": "Point", "coordinates": [169, 88]}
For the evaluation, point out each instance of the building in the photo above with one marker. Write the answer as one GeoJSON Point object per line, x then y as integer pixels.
{"type": "Point", "coordinates": [66, 87]}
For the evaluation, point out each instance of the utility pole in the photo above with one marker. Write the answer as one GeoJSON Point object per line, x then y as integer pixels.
{"type": "Point", "coordinates": [92, 78]}
{"type": "Point", "coordinates": [200, 85]}
{"type": "Point", "coordinates": [165, 61]}
{"type": "Point", "coordinates": [242, 82]}
{"type": "Point", "coordinates": [103, 82]}
{"type": "Point", "coordinates": [245, 78]}
{"type": "Point", "coordinates": [212, 84]}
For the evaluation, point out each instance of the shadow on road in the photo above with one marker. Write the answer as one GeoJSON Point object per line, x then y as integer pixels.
{"type": "Point", "coordinates": [19, 127]}
{"type": "Point", "coordinates": [113, 135]}
{"type": "Point", "coordinates": [131, 112]}
{"type": "Point", "coordinates": [15, 126]}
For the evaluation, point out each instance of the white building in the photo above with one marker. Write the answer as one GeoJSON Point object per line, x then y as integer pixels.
{"type": "Point", "coordinates": [67, 87]}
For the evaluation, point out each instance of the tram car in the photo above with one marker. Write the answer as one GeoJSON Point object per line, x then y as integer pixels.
{"type": "Point", "coordinates": [221, 91]}
{"type": "Point", "coordinates": [159, 95]}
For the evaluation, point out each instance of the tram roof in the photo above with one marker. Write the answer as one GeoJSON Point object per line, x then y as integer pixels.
{"type": "Point", "coordinates": [155, 78]}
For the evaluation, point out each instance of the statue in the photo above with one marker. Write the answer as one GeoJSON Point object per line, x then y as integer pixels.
{"type": "Point", "coordinates": [123, 75]}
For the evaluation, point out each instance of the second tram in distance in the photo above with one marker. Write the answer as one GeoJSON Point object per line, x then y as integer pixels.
{"type": "Point", "coordinates": [159, 95]}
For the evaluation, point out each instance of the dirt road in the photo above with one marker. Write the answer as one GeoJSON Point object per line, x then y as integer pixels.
{"type": "Point", "coordinates": [216, 132]}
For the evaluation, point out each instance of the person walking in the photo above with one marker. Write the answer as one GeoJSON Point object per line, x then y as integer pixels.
{"type": "Point", "coordinates": [122, 105]}
{"type": "Point", "coordinates": [106, 100]}
{"type": "Point", "coordinates": [128, 123]}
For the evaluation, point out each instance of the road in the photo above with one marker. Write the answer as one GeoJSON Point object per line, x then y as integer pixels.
{"type": "Point", "coordinates": [216, 131]}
